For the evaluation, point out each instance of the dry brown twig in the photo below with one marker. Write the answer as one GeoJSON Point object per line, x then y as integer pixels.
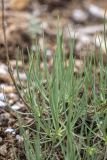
{"type": "Point", "coordinates": [7, 56]}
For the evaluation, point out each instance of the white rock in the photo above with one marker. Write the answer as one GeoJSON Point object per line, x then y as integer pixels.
{"type": "Point", "coordinates": [44, 25]}
{"type": "Point", "coordinates": [2, 97]}
{"type": "Point", "coordinates": [19, 138]}
{"type": "Point", "coordinates": [96, 11]}
{"type": "Point", "coordinates": [12, 95]}
{"type": "Point", "coordinates": [15, 107]}
{"type": "Point", "coordinates": [3, 69]}
{"type": "Point", "coordinates": [10, 130]}
{"type": "Point", "coordinates": [49, 53]}
{"type": "Point", "coordinates": [22, 76]}
{"type": "Point", "coordinates": [2, 104]}
{"type": "Point", "coordinates": [79, 15]}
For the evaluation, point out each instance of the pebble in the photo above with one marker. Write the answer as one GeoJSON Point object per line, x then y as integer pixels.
{"type": "Point", "coordinates": [49, 54]}
{"type": "Point", "coordinates": [13, 96]}
{"type": "Point", "coordinates": [79, 15]}
{"type": "Point", "coordinates": [19, 138]}
{"type": "Point", "coordinates": [10, 130]}
{"type": "Point", "coordinates": [3, 150]}
{"type": "Point", "coordinates": [15, 107]}
{"type": "Point", "coordinates": [79, 64]}
{"type": "Point", "coordinates": [96, 11]}
{"type": "Point", "coordinates": [7, 89]}
{"type": "Point", "coordinates": [44, 25]}
{"type": "Point", "coordinates": [2, 97]}
{"type": "Point", "coordinates": [2, 104]}
{"type": "Point", "coordinates": [22, 76]}
{"type": "Point", "coordinates": [13, 63]}
{"type": "Point", "coordinates": [3, 69]}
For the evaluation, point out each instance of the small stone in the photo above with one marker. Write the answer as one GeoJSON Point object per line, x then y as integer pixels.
{"type": "Point", "coordinates": [79, 63]}
{"type": "Point", "coordinates": [3, 69]}
{"type": "Point", "coordinates": [13, 96]}
{"type": "Point", "coordinates": [7, 89]}
{"type": "Point", "coordinates": [49, 54]}
{"type": "Point", "coordinates": [2, 97]}
{"type": "Point", "coordinates": [79, 16]}
{"type": "Point", "coordinates": [3, 150]}
{"type": "Point", "coordinates": [44, 25]}
{"type": "Point", "coordinates": [10, 130]}
{"type": "Point", "coordinates": [96, 11]}
{"type": "Point", "coordinates": [13, 63]}
{"type": "Point", "coordinates": [19, 138]}
{"type": "Point", "coordinates": [5, 78]}
{"type": "Point", "coordinates": [4, 75]}
{"type": "Point", "coordinates": [22, 76]}
{"type": "Point", "coordinates": [15, 107]}
{"type": "Point", "coordinates": [2, 104]}
{"type": "Point", "coordinates": [18, 5]}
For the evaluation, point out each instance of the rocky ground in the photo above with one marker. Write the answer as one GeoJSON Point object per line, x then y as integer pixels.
{"type": "Point", "coordinates": [25, 23]}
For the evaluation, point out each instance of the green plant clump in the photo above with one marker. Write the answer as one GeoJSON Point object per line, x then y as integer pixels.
{"type": "Point", "coordinates": [68, 110]}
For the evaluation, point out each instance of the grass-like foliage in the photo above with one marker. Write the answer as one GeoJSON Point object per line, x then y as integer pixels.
{"type": "Point", "coordinates": [68, 109]}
